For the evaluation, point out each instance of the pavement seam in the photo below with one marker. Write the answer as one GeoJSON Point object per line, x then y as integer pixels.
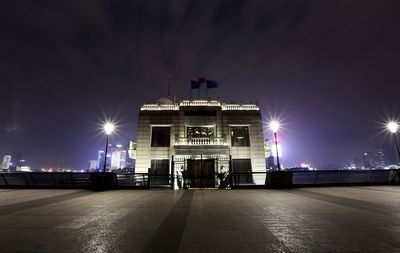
{"type": "Point", "coordinates": [169, 234]}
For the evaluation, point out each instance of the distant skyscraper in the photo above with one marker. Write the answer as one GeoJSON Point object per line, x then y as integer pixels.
{"type": "Point", "coordinates": [16, 159]}
{"type": "Point", "coordinates": [369, 160]}
{"type": "Point", "coordinates": [100, 159]}
{"type": "Point", "coordinates": [269, 158]}
{"type": "Point", "coordinates": [380, 157]}
{"type": "Point", "coordinates": [270, 161]}
{"type": "Point", "coordinates": [118, 158]}
{"type": "Point", "coordinates": [5, 165]}
{"type": "Point", "coordinates": [358, 162]}
{"type": "Point", "coordinates": [389, 150]}
{"type": "Point", "coordinates": [93, 165]}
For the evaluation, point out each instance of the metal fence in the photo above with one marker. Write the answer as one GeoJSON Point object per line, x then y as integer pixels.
{"type": "Point", "coordinates": [161, 181]}
{"type": "Point", "coordinates": [80, 180]}
{"type": "Point", "coordinates": [235, 180]}
{"type": "Point", "coordinates": [322, 177]}
{"type": "Point", "coordinates": [319, 177]}
{"type": "Point", "coordinates": [45, 179]}
{"type": "Point", "coordinates": [133, 180]}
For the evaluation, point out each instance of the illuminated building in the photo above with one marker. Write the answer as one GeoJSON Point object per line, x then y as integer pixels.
{"type": "Point", "coordinates": [200, 137]}
{"type": "Point", "coordinates": [100, 159]}
{"type": "Point", "coordinates": [380, 157]}
{"type": "Point", "coordinates": [369, 160]}
{"type": "Point", "coordinates": [118, 158]}
{"type": "Point", "coordinates": [5, 165]}
{"type": "Point", "coordinates": [93, 165]}
{"type": "Point", "coordinates": [269, 158]}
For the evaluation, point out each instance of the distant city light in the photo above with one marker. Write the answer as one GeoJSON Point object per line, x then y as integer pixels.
{"type": "Point", "coordinates": [392, 127]}
{"type": "Point", "coordinates": [274, 126]}
{"type": "Point", "coordinates": [305, 165]}
{"type": "Point", "coordinates": [109, 128]}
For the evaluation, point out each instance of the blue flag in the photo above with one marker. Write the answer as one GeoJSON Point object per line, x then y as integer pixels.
{"type": "Point", "coordinates": [194, 84]}
{"type": "Point", "coordinates": [211, 84]}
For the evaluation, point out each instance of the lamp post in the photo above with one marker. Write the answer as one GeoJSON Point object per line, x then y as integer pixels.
{"type": "Point", "coordinates": [392, 127]}
{"type": "Point", "coordinates": [108, 129]}
{"type": "Point", "coordinates": [274, 126]}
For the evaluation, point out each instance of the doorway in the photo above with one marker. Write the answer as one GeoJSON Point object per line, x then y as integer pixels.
{"type": "Point", "coordinates": [201, 173]}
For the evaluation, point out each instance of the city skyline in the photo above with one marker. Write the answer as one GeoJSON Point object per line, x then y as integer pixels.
{"type": "Point", "coordinates": [328, 70]}
{"type": "Point", "coordinates": [380, 156]}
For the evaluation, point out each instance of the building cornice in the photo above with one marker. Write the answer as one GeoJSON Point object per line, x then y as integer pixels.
{"type": "Point", "coordinates": [200, 103]}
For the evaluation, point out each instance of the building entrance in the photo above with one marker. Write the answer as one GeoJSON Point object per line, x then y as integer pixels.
{"type": "Point", "coordinates": [201, 173]}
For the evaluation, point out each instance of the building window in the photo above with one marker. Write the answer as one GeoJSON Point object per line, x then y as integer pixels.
{"type": "Point", "coordinates": [159, 167]}
{"type": "Point", "coordinates": [160, 136]}
{"type": "Point", "coordinates": [200, 132]}
{"type": "Point", "coordinates": [240, 136]}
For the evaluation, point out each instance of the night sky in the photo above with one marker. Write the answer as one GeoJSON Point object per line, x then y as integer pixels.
{"type": "Point", "coordinates": [329, 69]}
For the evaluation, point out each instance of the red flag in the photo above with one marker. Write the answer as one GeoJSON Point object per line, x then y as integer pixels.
{"type": "Point", "coordinates": [202, 80]}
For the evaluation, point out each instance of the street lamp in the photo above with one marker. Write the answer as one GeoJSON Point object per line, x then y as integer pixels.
{"type": "Point", "coordinates": [393, 127]}
{"type": "Point", "coordinates": [108, 129]}
{"type": "Point", "coordinates": [274, 126]}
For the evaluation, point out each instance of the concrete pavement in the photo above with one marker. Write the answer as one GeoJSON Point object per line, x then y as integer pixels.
{"type": "Point", "coordinates": [331, 219]}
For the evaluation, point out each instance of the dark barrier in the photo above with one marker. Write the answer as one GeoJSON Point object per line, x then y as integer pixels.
{"type": "Point", "coordinates": [238, 180]}
{"type": "Point", "coordinates": [81, 180]}
{"type": "Point", "coordinates": [45, 180]}
{"type": "Point", "coordinates": [160, 181]}
{"type": "Point", "coordinates": [133, 180]}
{"type": "Point", "coordinates": [337, 177]}
{"type": "Point", "coordinates": [319, 178]}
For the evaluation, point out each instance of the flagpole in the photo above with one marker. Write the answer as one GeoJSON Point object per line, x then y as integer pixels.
{"type": "Point", "coordinates": [206, 92]}
{"type": "Point", "coordinates": [198, 92]}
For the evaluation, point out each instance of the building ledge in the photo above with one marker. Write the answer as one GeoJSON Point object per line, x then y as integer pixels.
{"type": "Point", "coordinates": [199, 103]}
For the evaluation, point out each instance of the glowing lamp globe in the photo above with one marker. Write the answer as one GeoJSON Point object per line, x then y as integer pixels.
{"type": "Point", "coordinates": [274, 126]}
{"type": "Point", "coordinates": [109, 128]}
{"type": "Point", "coordinates": [392, 127]}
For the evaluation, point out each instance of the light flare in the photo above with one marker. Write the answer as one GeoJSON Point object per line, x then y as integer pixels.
{"type": "Point", "coordinates": [392, 127]}
{"type": "Point", "coordinates": [274, 126]}
{"type": "Point", "coordinates": [109, 128]}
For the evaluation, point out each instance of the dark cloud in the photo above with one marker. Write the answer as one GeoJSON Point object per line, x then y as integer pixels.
{"type": "Point", "coordinates": [331, 67]}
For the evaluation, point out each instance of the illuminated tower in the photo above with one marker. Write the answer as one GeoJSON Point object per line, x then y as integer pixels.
{"type": "Point", "coordinates": [5, 165]}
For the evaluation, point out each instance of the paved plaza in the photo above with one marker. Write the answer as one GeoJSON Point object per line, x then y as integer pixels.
{"type": "Point", "coordinates": [331, 219]}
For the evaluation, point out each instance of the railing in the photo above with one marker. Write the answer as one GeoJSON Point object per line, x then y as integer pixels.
{"type": "Point", "coordinates": [248, 178]}
{"type": "Point", "coordinates": [45, 179]}
{"type": "Point", "coordinates": [319, 177]}
{"type": "Point", "coordinates": [240, 107]}
{"type": "Point", "coordinates": [80, 180]}
{"type": "Point", "coordinates": [243, 179]}
{"type": "Point", "coordinates": [159, 107]}
{"type": "Point", "coordinates": [133, 180]}
{"type": "Point", "coordinates": [200, 103]}
{"type": "Point", "coordinates": [201, 141]}
{"type": "Point", "coordinates": [323, 177]}
{"type": "Point", "coordinates": [160, 181]}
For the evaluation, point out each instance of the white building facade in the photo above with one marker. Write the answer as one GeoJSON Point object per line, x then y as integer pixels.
{"type": "Point", "coordinates": [201, 138]}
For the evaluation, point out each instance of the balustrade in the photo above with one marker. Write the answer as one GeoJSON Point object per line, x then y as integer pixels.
{"type": "Point", "coordinates": [201, 141]}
